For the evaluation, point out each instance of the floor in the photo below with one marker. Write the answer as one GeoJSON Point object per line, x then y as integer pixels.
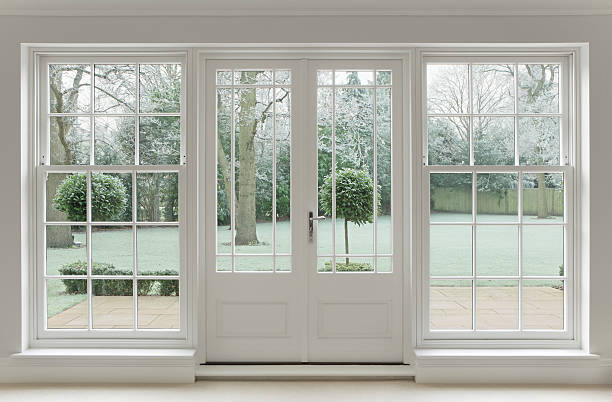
{"type": "Point", "coordinates": [158, 312]}
{"type": "Point", "coordinates": [277, 391]}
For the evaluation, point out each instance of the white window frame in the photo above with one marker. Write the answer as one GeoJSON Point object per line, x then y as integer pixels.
{"type": "Point", "coordinates": [569, 336]}
{"type": "Point", "coordinates": [40, 336]}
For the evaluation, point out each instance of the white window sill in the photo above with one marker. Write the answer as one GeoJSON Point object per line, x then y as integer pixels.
{"type": "Point", "coordinates": [494, 357]}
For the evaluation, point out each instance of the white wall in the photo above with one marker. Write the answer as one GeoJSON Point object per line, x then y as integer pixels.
{"type": "Point", "coordinates": [595, 30]}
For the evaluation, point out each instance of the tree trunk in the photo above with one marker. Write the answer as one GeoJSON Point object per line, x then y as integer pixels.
{"type": "Point", "coordinates": [246, 225]}
{"type": "Point", "coordinates": [542, 204]}
{"type": "Point", "coordinates": [346, 242]}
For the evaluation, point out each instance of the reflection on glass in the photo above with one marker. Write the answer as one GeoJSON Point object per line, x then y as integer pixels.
{"type": "Point", "coordinates": [450, 197]}
{"type": "Point", "coordinates": [158, 250]}
{"type": "Point", "coordinates": [497, 197]}
{"type": "Point", "coordinates": [538, 87]}
{"type": "Point", "coordinates": [492, 88]}
{"type": "Point", "coordinates": [494, 141]}
{"type": "Point", "coordinates": [447, 88]}
{"type": "Point", "coordinates": [67, 304]}
{"type": "Point", "coordinates": [112, 250]}
{"type": "Point", "coordinates": [69, 88]}
{"type": "Point", "coordinates": [497, 250]}
{"type": "Point", "coordinates": [543, 304]}
{"type": "Point", "coordinates": [112, 303]}
{"type": "Point", "coordinates": [450, 304]}
{"type": "Point", "coordinates": [66, 250]}
{"type": "Point", "coordinates": [158, 304]}
{"type": "Point", "coordinates": [115, 88]}
{"type": "Point", "coordinates": [543, 197]}
{"type": "Point", "coordinates": [160, 88]}
{"type": "Point", "coordinates": [450, 250]}
{"type": "Point", "coordinates": [497, 304]}
{"type": "Point", "coordinates": [448, 140]}
{"type": "Point", "coordinates": [114, 140]}
{"type": "Point", "coordinates": [157, 197]}
{"type": "Point", "coordinates": [539, 140]}
{"type": "Point", "coordinates": [69, 140]}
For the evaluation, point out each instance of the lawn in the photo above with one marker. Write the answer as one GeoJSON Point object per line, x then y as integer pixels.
{"type": "Point", "coordinates": [496, 249]}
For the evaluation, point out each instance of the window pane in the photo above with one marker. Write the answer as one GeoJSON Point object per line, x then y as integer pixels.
{"type": "Point", "coordinates": [354, 77]}
{"type": "Point", "coordinates": [112, 303]}
{"type": "Point", "coordinates": [538, 88]}
{"type": "Point", "coordinates": [448, 140]}
{"type": "Point", "coordinates": [157, 197]}
{"type": "Point", "coordinates": [112, 250]}
{"type": "Point", "coordinates": [543, 250]}
{"type": "Point", "coordinates": [224, 263]}
{"type": "Point", "coordinates": [383, 77]}
{"type": "Point", "coordinates": [492, 88]}
{"type": "Point", "coordinates": [282, 77]}
{"type": "Point", "coordinates": [224, 172]}
{"type": "Point", "coordinates": [539, 140]}
{"type": "Point", "coordinates": [450, 197]}
{"type": "Point", "coordinates": [325, 243]}
{"type": "Point", "coordinates": [256, 263]}
{"type": "Point", "coordinates": [115, 88]}
{"type": "Point", "coordinates": [69, 88]}
{"type": "Point", "coordinates": [496, 250]}
{"type": "Point", "coordinates": [224, 77]}
{"type": "Point", "coordinates": [543, 304]}
{"type": "Point", "coordinates": [543, 197]}
{"type": "Point", "coordinates": [494, 141]}
{"type": "Point", "coordinates": [450, 250]}
{"type": "Point", "coordinates": [283, 264]}
{"type": "Point", "coordinates": [384, 264]}
{"type": "Point", "coordinates": [159, 140]}
{"type": "Point", "coordinates": [283, 170]}
{"type": "Point", "coordinates": [160, 88]}
{"type": "Point", "coordinates": [253, 77]}
{"type": "Point", "coordinates": [114, 140]}
{"type": "Point", "coordinates": [70, 140]}
{"type": "Point", "coordinates": [497, 304]}
{"type": "Point", "coordinates": [383, 168]}
{"type": "Point", "coordinates": [66, 251]}
{"type": "Point", "coordinates": [450, 304]}
{"type": "Point", "coordinates": [158, 250]}
{"type": "Point", "coordinates": [67, 304]}
{"type": "Point", "coordinates": [354, 264]}
{"type": "Point", "coordinates": [497, 197]}
{"type": "Point", "coordinates": [111, 197]}
{"type": "Point", "coordinates": [158, 304]}
{"type": "Point", "coordinates": [325, 77]}
{"type": "Point", "coordinates": [447, 89]}
{"type": "Point", "coordinates": [66, 197]}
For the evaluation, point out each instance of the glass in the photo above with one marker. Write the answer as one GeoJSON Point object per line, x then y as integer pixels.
{"type": "Point", "coordinates": [253, 77]}
{"type": "Point", "coordinates": [354, 264]}
{"type": "Point", "coordinates": [543, 197]}
{"type": "Point", "coordinates": [448, 140]}
{"type": "Point", "coordinates": [159, 140]}
{"type": "Point", "coordinates": [66, 197]}
{"type": "Point", "coordinates": [66, 250]}
{"type": "Point", "coordinates": [69, 88]}
{"type": "Point", "coordinates": [224, 170]}
{"type": "Point", "coordinates": [538, 88]}
{"type": "Point", "coordinates": [450, 250]}
{"type": "Point", "coordinates": [224, 77]}
{"type": "Point", "coordinates": [450, 197]}
{"type": "Point", "coordinates": [114, 140]}
{"type": "Point", "coordinates": [324, 264]}
{"type": "Point", "coordinates": [283, 263]}
{"type": "Point", "coordinates": [70, 140]}
{"type": "Point", "coordinates": [384, 264]}
{"type": "Point", "coordinates": [325, 77]}
{"type": "Point", "coordinates": [323, 229]}
{"type": "Point", "coordinates": [158, 250]}
{"type": "Point", "coordinates": [283, 170]}
{"type": "Point", "coordinates": [384, 230]}
{"type": "Point", "coordinates": [157, 197]}
{"type": "Point", "coordinates": [112, 250]}
{"type": "Point", "coordinates": [158, 304]}
{"type": "Point", "coordinates": [543, 304]}
{"type": "Point", "coordinates": [253, 263]}
{"type": "Point", "coordinates": [492, 88]}
{"type": "Point", "coordinates": [224, 263]}
{"type": "Point", "coordinates": [494, 141]}
{"type": "Point", "coordinates": [67, 304]}
{"type": "Point", "coordinates": [160, 88]}
{"type": "Point", "coordinates": [115, 88]}
{"type": "Point", "coordinates": [497, 197]}
{"type": "Point", "coordinates": [111, 197]}
{"type": "Point", "coordinates": [497, 250]}
{"type": "Point", "coordinates": [497, 304]}
{"type": "Point", "coordinates": [539, 140]}
{"type": "Point", "coordinates": [282, 77]}
{"type": "Point", "coordinates": [383, 77]}
{"type": "Point", "coordinates": [447, 89]}
{"type": "Point", "coordinates": [354, 77]}
{"type": "Point", "coordinates": [112, 303]}
{"type": "Point", "coordinates": [543, 250]}
{"type": "Point", "coordinates": [450, 304]}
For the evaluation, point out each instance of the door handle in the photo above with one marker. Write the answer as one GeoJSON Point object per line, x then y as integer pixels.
{"type": "Point", "coordinates": [311, 220]}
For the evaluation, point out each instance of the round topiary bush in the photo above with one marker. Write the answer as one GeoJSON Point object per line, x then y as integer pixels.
{"type": "Point", "coordinates": [108, 197]}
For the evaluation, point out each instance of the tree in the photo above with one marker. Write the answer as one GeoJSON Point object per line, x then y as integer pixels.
{"type": "Point", "coordinates": [354, 199]}
{"type": "Point", "coordinates": [108, 197]}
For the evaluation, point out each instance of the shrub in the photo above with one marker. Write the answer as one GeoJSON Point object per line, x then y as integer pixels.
{"type": "Point", "coordinates": [351, 267]}
{"type": "Point", "coordinates": [111, 287]}
{"type": "Point", "coordinates": [108, 197]}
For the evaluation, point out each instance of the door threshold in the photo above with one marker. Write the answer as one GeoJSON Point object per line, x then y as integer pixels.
{"type": "Point", "coordinates": [304, 371]}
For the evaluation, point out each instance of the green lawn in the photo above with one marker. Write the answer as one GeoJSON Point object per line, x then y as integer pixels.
{"type": "Point", "coordinates": [496, 249]}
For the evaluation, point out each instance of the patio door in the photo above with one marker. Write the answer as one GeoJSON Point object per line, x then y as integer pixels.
{"type": "Point", "coordinates": [302, 210]}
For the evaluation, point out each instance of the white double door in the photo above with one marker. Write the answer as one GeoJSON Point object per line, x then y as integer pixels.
{"type": "Point", "coordinates": [285, 139]}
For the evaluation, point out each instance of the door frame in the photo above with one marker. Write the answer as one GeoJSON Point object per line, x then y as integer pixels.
{"type": "Point", "coordinates": [405, 57]}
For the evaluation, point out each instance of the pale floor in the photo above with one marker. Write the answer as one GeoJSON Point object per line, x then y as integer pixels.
{"type": "Point", "coordinates": [290, 391]}
{"type": "Point", "coordinates": [154, 312]}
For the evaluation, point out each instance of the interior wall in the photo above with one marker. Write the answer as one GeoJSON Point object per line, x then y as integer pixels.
{"type": "Point", "coordinates": [596, 30]}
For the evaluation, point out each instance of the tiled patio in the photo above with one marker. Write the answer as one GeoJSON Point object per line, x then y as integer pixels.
{"type": "Point", "coordinates": [118, 312]}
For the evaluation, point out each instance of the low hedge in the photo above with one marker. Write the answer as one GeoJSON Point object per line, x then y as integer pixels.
{"type": "Point", "coordinates": [351, 267]}
{"type": "Point", "coordinates": [111, 287]}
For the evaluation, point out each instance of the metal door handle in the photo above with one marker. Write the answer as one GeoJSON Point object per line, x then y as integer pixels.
{"type": "Point", "coordinates": [311, 219]}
